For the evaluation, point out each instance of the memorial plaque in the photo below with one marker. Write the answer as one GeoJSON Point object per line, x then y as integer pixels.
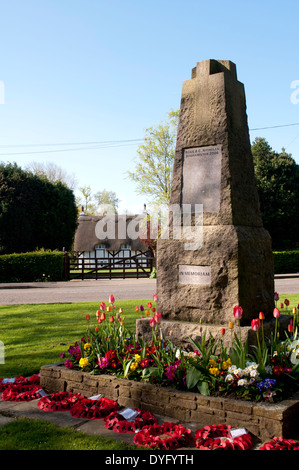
{"type": "Point", "coordinates": [202, 177]}
{"type": "Point", "coordinates": [199, 275]}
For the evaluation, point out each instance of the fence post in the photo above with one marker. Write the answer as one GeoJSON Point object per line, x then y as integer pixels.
{"type": "Point", "coordinates": [66, 266]}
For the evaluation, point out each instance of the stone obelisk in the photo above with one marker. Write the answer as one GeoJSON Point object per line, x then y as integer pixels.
{"type": "Point", "coordinates": [213, 169]}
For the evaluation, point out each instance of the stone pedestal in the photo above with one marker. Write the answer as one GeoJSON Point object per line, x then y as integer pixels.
{"type": "Point", "coordinates": [230, 261]}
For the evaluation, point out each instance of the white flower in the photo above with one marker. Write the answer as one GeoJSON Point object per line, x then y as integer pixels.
{"type": "Point", "coordinates": [239, 372]}
{"type": "Point", "coordinates": [229, 378]}
{"type": "Point", "coordinates": [254, 374]}
{"type": "Point", "coordinates": [242, 383]}
{"type": "Point", "coordinates": [232, 369]}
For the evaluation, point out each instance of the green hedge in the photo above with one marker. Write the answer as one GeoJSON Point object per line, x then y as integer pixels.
{"type": "Point", "coordinates": [30, 267]}
{"type": "Point", "coordinates": [286, 261]}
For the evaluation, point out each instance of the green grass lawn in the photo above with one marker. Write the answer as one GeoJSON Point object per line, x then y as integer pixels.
{"type": "Point", "coordinates": [35, 335]}
{"type": "Point", "coordinates": [26, 434]}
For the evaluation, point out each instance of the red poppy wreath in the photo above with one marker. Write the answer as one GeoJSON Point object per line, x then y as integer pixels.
{"type": "Point", "coordinates": [93, 409]}
{"type": "Point", "coordinates": [61, 401]}
{"type": "Point", "coordinates": [7, 383]}
{"type": "Point", "coordinates": [165, 436]}
{"type": "Point", "coordinates": [20, 392]}
{"type": "Point", "coordinates": [218, 437]}
{"type": "Point", "coordinates": [117, 423]}
{"type": "Point", "coordinates": [278, 443]}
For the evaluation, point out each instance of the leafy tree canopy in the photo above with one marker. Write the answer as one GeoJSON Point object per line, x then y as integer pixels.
{"type": "Point", "coordinates": [34, 212]}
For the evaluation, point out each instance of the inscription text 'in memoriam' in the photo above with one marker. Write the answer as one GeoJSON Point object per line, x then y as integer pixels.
{"type": "Point", "coordinates": [202, 177]}
{"type": "Point", "coordinates": [188, 274]}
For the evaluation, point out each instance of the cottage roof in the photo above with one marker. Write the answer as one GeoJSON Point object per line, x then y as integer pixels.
{"type": "Point", "coordinates": [88, 233]}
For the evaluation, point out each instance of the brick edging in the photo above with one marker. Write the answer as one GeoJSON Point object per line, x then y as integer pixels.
{"type": "Point", "coordinates": [263, 420]}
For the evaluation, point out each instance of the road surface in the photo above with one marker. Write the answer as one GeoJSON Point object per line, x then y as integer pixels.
{"type": "Point", "coordinates": [93, 291]}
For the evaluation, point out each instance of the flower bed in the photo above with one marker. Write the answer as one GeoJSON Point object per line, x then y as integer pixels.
{"type": "Point", "coordinates": [268, 373]}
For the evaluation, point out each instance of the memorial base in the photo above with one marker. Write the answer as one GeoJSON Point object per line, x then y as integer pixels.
{"type": "Point", "coordinates": [181, 332]}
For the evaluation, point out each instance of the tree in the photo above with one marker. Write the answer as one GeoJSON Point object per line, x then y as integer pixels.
{"type": "Point", "coordinates": [277, 176]}
{"type": "Point", "coordinates": [34, 213]}
{"type": "Point", "coordinates": [53, 173]}
{"type": "Point", "coordinates": [107, 201]}
{"type": "Point", "coordinates": [154, 161]}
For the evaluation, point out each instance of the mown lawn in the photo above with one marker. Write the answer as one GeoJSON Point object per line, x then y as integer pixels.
{"type": "Point", "coordinates": [26, 434]}
{"type": "Point", "coordinates": [35, 335]}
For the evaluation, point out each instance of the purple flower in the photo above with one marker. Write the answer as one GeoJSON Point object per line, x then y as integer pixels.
{"type": "Point", "coordinates": [68, 363]}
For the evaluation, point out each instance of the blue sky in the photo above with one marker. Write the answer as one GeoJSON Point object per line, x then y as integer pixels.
{"type": "Point", "coordinates": [96, 71]}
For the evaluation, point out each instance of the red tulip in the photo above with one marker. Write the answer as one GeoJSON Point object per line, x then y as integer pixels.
{"type": "Point", "coordinates": [153, 322]}
{"type": "Point", "coordinates": [276, 296]}
{"type": "Point", "coordinates": [102, 306]}
{"type": "Point", "coordinates": [238, 311]}
{"type": "Point", "coordinates": [87, 317]}
{"type": "Point", "coordinates": [98, 313]}
{"type": "Point", "coordinates": [261, 316]}
{"type": "Point", "coordinates": [149, 305]}
{"type": "Point", "coordinates": [222, 331]}
{"type": "Point", "coordinates": [153, 309]}
{"type": "Point", "coordinates": [111, 299]}
{"type": "Point", "coordinates": [103, 316]}
{"type": "Point", "coordinates": [158, 317]}
{"type": "Point", "coordinates": [290, 328]}
{"type": "Point", "coordinates": [111, 319]}
{"type": "Point", "coordinates": [287, 302]}
{"type": "Point", "coordinates": [276, 313]}
{"type": "Point", "coordinates": [136, 309]}
{"type": "Point", "coordinates": [255, 324]}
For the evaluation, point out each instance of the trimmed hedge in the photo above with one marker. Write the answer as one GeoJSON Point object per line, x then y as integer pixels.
{"type": "Point", "coordinates": [286, 261]}
{"type": "Point", "coordinates": [31, 267]}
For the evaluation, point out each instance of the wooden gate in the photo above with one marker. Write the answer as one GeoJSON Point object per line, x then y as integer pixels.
{"type": "Point", "coordinates": [137, 266]}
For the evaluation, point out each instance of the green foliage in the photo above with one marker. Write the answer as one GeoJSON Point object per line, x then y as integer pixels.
{"type": "Point", "coordinates": [277, 176]}
{"type": "Point", "coordinates": [286, 261]}
{"type": "Point", "coordinates": [34, 212]}
{"type": "Point", "coordinates": [29, 267]}
{"type": "Point", "coordinates": [154, 163]}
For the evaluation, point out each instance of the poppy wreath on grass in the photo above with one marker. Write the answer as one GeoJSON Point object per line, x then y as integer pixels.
{"type": "Point", "coordinates": [60, 401]}
{"type": "Point", "coordinates": [93, 409]}
{"type": "Point", "coordinates": [278, 443]}
{"type": "Point", "coordinates": [167, 436]}
{"type": "Point", "coordinates": [117, 423]}
{"type": "Point", "coordinates": [21, 392]}
{"type": "Point", "coordinates": [218, 437]}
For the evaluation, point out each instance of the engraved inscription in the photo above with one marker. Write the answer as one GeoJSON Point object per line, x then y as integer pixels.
{"type": "Point", "coordinates": [202, 177]}
{"type": "Point", "coordinates": [200, 275]}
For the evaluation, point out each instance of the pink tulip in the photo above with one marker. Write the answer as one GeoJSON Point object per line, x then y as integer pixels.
{"type": "Point", "coordinates": [276, 313]}
{"type": "Point", "coordinates": [155, 297]}
{"type": "Point", "coordinates": [111, 299]}
{"type": "Point", "coordinates": [255, 324]}
{"type": "Point", "coordinates": [238, 312]}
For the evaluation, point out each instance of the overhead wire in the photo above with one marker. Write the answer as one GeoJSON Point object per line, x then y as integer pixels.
{"type": "Point", "coordinates": [95, 145]}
